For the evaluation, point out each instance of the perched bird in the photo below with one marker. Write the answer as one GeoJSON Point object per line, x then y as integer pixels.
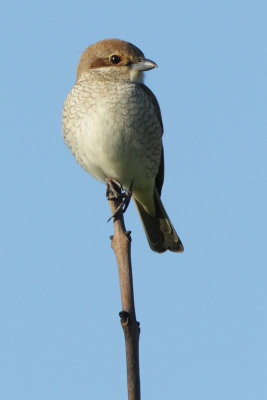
{"type": "Point", "coordinates": [112, 123]}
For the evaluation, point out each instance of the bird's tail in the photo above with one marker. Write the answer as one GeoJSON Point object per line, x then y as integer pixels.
{"type": "Point", "coordinates": [159, 230]}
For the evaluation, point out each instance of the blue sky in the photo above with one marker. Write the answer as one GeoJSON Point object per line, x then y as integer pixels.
{"type": "Point", "coordinates": [202, 313]}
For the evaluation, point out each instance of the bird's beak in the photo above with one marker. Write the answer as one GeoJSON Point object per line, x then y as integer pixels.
{"type": "Point", "coordinates": [144, 65]}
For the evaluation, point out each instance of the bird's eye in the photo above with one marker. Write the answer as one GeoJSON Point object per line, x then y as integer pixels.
{"type": "Point", "coordinates": [115, 59]}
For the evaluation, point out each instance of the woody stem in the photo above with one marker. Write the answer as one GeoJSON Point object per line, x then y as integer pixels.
{"type": "Point", "coordinates": [121, 244]}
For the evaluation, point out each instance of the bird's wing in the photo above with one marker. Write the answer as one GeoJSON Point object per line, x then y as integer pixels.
{"type": "Point", "coordinates": [153, 100]}
{"type": "Point", "coordinates": [160, 175]}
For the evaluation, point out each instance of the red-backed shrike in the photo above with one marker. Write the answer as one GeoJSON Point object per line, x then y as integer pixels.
{"type": "Point", "coordinates": [112, 123]}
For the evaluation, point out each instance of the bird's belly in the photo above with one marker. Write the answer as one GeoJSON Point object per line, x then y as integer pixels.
{"type": "Point", "coordinates": [113, 133]}
{"type": "Point", "coordinates": [107, 148]}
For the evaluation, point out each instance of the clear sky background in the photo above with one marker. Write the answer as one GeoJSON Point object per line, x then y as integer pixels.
{"type": "Point", "coordinates": [202, 313]}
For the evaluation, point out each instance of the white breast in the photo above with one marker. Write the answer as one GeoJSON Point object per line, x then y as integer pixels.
{"type": "Point", "coordinates": [110, 132]}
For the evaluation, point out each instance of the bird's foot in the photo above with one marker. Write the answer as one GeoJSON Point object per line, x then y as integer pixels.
{"type": "Point", "coordinates": [113, 189]}
{"type": "Point", "coordinates": [116, 192]}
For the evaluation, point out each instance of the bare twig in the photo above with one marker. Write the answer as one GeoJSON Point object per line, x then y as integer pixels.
{"type": "Point", "coordinates": [121, 244]}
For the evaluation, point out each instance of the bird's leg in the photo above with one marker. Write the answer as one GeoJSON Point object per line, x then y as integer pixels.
{"type": "Point", "coordinates": [115, 191]}
{"type": "Point", "coordinates": [127, 197]}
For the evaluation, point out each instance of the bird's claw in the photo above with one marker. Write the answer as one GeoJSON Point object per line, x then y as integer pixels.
{"type": "Point", "coordinates": [115, 191]}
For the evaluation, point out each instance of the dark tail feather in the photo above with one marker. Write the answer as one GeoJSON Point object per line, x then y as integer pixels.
{"type": "Point", "coordinates": [159, 230]}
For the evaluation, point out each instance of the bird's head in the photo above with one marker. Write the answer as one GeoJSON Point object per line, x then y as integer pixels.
{"type": "Point", "coordinates": [114, 59]}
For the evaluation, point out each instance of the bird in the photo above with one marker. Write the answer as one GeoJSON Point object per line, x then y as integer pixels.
{"type": "Point", "coordinates": [112, 123]}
